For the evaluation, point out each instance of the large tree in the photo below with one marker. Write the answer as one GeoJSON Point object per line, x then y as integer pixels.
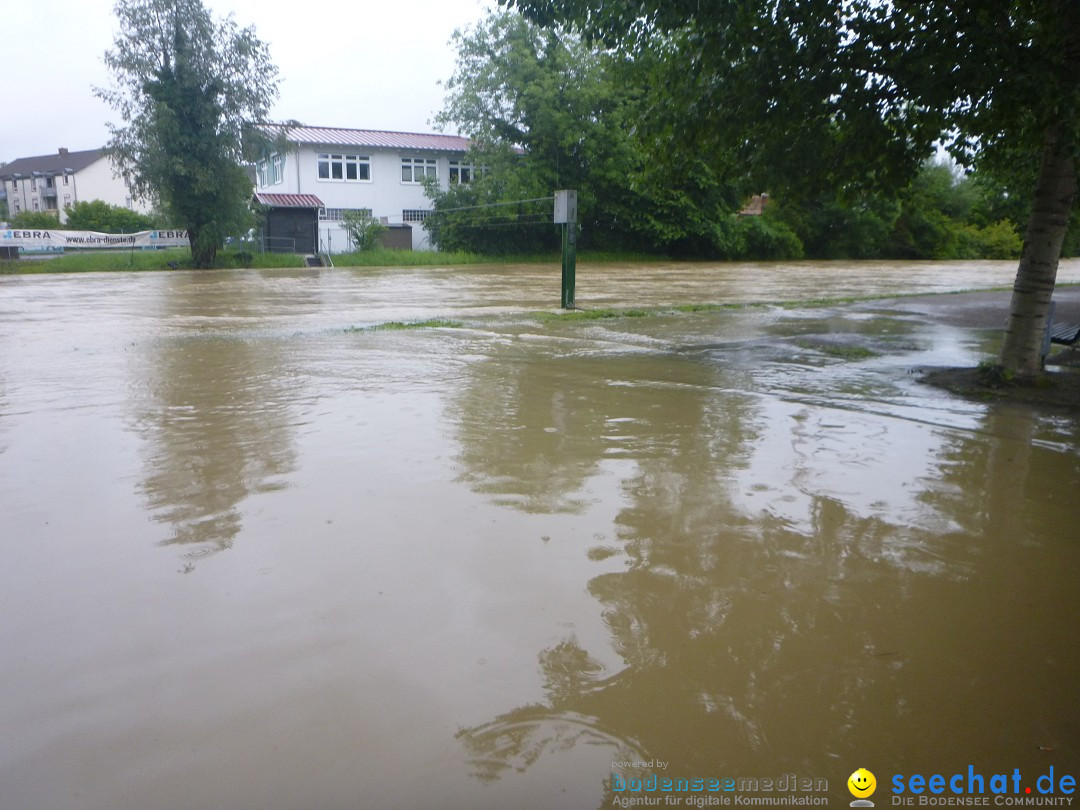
{"type": "Point", "coordinates": [853, 94]}
{"type": "Point", "coordinates": [189, 89]}
{"type": "Point", "coordinates": [547, 110]}
{"type": "Point", "coordinates": [543, 112]}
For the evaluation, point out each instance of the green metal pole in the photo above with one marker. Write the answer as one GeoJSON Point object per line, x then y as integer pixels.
{"type": "Point", "coordinates": [569, 264]}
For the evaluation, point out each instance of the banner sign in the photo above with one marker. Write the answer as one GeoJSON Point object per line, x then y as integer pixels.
{"type": "Point", "coordinates": [58, 240]}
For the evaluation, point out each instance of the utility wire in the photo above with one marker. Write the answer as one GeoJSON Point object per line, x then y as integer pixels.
{"type": "Point", "coordinates": [492, 205]}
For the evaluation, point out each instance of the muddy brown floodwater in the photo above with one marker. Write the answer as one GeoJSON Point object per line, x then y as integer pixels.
{"type": "Point", "coordinates": [256, 555]}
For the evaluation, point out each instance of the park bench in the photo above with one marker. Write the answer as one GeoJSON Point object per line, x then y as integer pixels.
{"type": "Point", "coordinates": [1065, 334]}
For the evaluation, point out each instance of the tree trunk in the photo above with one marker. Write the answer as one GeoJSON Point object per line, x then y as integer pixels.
{"type": "Point", "coordinates": [204, 246]}
{"type": "Point", "coordinates": [1054, 193]}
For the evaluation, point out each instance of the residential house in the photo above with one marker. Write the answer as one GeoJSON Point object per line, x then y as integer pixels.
{"type": "Point", "coordinates": [54, 182]}
{"type": "Point", "coordinates": [323, 172]}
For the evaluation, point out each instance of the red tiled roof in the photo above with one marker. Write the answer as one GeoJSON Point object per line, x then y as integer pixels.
{"type": "Point", "coordinates": [331, 136]}
{"type": "Point", "coordinates": [289, 200]}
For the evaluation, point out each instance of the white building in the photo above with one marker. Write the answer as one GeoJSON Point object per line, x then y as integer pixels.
{"type": "Point", "coordinates": [334, 170]}
{"type": "Point", "coordinates": [54, 182]}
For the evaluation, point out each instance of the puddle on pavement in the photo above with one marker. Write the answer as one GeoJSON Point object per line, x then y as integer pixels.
{"type": "Point", "coordinates": [255, 559]}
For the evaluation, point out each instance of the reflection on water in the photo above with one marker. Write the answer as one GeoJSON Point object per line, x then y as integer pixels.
{"type": "Point", "coordinates": [215, 418]}
{"type": "Point", "coordinates": [480, 567]}
{"type": "Point", "coordinates": [536, 418]}
{"type": "Point", "coordinates": [747, 628]}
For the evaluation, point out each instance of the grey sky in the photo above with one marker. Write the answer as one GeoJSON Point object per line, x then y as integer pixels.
{"type": "Point", "coordinates": [366, 64]}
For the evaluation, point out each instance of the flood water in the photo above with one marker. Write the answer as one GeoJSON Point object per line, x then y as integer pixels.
{"type": "Point", "coordinates": [258, 555]}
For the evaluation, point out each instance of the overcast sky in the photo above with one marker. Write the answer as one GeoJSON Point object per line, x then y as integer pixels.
{"type": "Point", "coordinates": [368, 64]}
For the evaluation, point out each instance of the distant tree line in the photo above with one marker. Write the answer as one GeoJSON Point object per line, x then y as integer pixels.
{"type": "Point", "coordinates": [547, 109]}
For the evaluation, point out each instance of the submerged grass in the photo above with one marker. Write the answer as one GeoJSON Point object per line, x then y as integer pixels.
{"type": "Point", "coordinates": [143, 261]}
{"type": "Point", "coordinates": [839, 351]}
{"type": "Point", "coordinates": [147, 260]}
{"type": "Point", "coordinates": [394, 326]}
{"type": "Point", "coordinates": [592, 314]}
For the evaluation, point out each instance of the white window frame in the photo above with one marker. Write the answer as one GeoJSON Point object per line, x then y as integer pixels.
{"type": "Point", "coordinates": [338, 214]}
{"type": "Point", "coordinates": [360, 165]}
{"type": "Point", "coordinates": [415, 214]}
{"type": "Point", "coordinates": [414, 169]}
{"type": "Point", "coordinates": [463, 172]}
{"type": "Point", "coordinates": [271, 171]}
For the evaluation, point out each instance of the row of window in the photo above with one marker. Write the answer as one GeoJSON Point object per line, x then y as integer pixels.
{"type": "Point", "coordinates": [338, 214]}
{"type": "Point", "coordinates": [344, 167]}
{"type": "Point", "coordinates": [271, 171]}
{"type": "Point", "coordinates": [34, 183]}
{"type": "Point", "coordinates": [357, 169]}
{"type": "Point", "coordinates": [16, 207]}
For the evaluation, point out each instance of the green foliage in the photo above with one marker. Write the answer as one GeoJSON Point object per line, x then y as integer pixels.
{"type": "Point", "coordinates": [549, 111]}
{"type": "Point", "coordinates": [35, 219]}
{"type": "Point", "coordinates": [941, 214]}
{"type": "Point", "coordinates": [190, 90]}
{"type": "Point", "coordinates": [869, 87]}
{"type": "Point", "coordinates": [484, 217]}
{"type": "Point", "coordinates": [363, 229]}
{"type": "Point", "coordinates": [97, 215]}
{"type": "Point", "coordinates": [999, 240]}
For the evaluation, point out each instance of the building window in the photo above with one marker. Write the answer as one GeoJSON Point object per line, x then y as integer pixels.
{"type": "Point", "coordinates": [414, 215]}
{"type": "Point", "coordinates": [462, 172]}
{"type": "Point", "coordinates": [36, 206]}
{"type": "Point", "coordinates": [345, 168]}
{"type": "Point", "coordinates": [413, 170]}
{"type": "Point", "coordinates": [271, 171]}
{"type": "Point", "coordinates": [65, 179]}
{"type": "Point", "coordinates": [338, 214]}
{"type": "Point", "coordinates": [33, 184]}
{"type": "Point", "coordinates": [67, 200]}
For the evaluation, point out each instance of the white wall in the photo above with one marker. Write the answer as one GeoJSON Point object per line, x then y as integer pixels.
{"type": "Point", "coordinates": [97, 182]}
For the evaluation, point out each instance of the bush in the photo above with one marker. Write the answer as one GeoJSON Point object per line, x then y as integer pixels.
{"type": "Point", "coordinates": [363, 229]}
{"type": "Point", "coordinates": [764, 238]}
{"type": "Point", "coordinates": [35, 219]}
{"type": "Point", "coordinates": [996, 241]}
{"type": "Point", "coordinates": [97, 215]}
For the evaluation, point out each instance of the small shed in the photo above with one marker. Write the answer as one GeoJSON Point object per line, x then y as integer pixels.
{"type": "Point", "coordinates": [292, 223]}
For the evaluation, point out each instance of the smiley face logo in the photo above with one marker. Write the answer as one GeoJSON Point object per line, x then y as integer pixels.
{"type": "Point", "coordinates": [862, 784]}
